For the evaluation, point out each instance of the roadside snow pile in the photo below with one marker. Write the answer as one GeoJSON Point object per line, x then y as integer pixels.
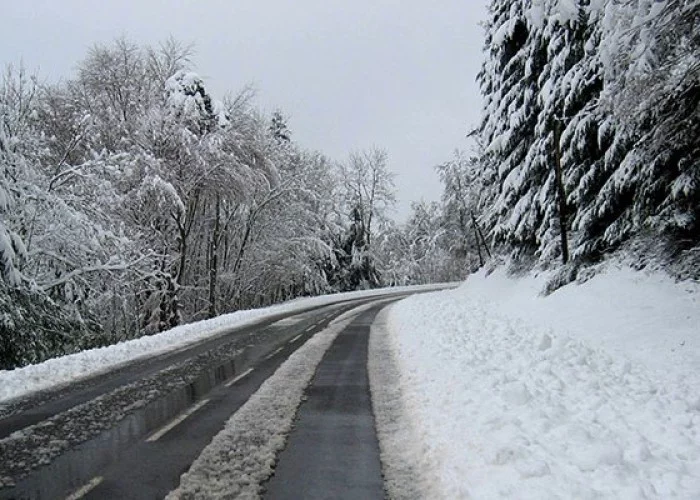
{"type": "Point", "coordinates": [60, 371]}
{"type": "Point", "coordinates": [406, 475]}
{"type": "Point", "coordinates": [591, 392]}
{"type": "Point", "coordinates": [242, 456]}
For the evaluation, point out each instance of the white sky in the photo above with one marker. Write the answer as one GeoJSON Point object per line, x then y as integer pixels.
{"type": "Point", "coordinates": [349, 75]}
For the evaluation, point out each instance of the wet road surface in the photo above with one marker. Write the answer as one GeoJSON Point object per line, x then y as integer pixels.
{"type": "Point", "coordinates": [333, 451]}
{"type": "Point", "coordinates": [133, 434]}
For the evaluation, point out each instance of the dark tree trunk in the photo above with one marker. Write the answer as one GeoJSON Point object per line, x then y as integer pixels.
{"type": "Point", "coordinates": [213, 258]}
{"type": "Point", "coordinates": [478, 245]}
{"type": "Point", "coordinates": [561, 195]}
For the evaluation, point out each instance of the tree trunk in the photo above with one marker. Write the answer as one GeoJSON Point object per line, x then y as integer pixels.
{"type": "Point", "coordinates": [182, 243]}
{"type": "Point", "coordinates": [561, 195]}
{"type": "Point", "coordinates": [213, 259]}
{"type": "Point", "coordinates": [483, 240]}
{"type": "Point", "coordinates": [184, 225]}
{"type": "Point", "coordinates": [244, 242]}
{"type": "Point", "coordinates": [478, 245]}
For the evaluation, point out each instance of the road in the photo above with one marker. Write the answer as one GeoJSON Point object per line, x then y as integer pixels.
{"type": "Point", "coordinates": [132, 432]}
{"type": "Point", "coordinates": [333, 450]}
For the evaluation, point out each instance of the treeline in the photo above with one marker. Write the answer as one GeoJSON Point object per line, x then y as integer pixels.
{"type": "Point", "coordinates": [605, 92]}
{"type": "Point", "coordinates": [132, 200]}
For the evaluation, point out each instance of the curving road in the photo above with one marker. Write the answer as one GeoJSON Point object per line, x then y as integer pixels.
{"type": "Point", "coordinates": [132, 432]}
{"type": "Point", "coordinates": [333, 450]}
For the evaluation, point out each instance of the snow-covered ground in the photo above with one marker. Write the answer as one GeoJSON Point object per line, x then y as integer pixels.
{"type": "Point", "coordinates": [591, 392]}
{"type": "Point", "coordinates": [406, 475]}
{"type": "Point", "coordinates": [60, 371]}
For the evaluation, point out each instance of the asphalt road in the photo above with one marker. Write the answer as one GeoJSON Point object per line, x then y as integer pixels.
{"type": "Point", "coordinates": [131, 433]}
{"type": "Point", "coordinates": [333, 451]}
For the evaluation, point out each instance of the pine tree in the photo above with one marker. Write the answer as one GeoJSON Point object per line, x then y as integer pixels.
{"type": "Point", "coordinates": [652, 69]}
{"type": "Point", "coordinates": [278, 128]}
{"type": "Point", "coordinates": [516, 55]}
{"type": "Point", "coordinates": [560, 70]}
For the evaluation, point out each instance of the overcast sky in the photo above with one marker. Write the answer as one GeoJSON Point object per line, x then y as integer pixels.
{"type": "Point", "coordinates": [349, 75]}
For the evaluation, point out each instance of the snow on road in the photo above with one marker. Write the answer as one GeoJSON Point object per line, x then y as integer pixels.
{"type": "Point", "coordinates": [592, 392]}
{"type": "Point", "coordinates": [60, 371]}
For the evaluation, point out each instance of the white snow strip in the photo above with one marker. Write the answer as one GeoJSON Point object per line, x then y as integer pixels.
{"type": "Point", "coordinates": [176, 421]}
{"type": "Point", "coordinates": [591, 392]}
{"type": "Point", "coordinates": [61, 371]}
{"type": "Point", "coordinates": [84, 490]}
{"type": "Point", "coordinates": [272, 354]}
{"type": "Point", "coordinates": [308, 329]}
{"type": "Point", "coordinates": [241, 457]}
{"type": "Point", "coordinates": [291, 341]}
{"type": "Point", "coordinates": [289, 321]}
{"type": "Point", "coordinates": [405, 477]}
{"type": "Point", "coordinates": [239, 377]}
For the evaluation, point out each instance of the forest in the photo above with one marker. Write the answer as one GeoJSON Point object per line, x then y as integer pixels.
{"type": "Point", "coordinates": [589, 141]}
{"type": "Point", "coordinates": [132, 200]}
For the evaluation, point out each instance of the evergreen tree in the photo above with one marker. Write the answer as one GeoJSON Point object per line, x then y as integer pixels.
{"type": "Point", "coordinates": [278, 128]}
{"type": "Point", "coordinates": [559, 84]}
{"type": "Point", "coordinates": [652, 79]}
{"type": "Point", "coordinates": [516, 55]}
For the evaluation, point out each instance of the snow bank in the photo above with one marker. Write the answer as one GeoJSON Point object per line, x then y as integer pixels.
{"type": "Point", "coordinates": [646, 317]}
{"type": "Point", "coordinates": [590, 392]}
{"type": "Point", "coordinates": [405, 476]}
{"type": "Point", "coordinates": [60, 371]}
{"type": "Point", "coordinates": [242, 456]}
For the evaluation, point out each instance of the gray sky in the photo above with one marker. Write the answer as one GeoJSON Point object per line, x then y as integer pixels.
{"type": "Point", "coordinates": [396, 74]}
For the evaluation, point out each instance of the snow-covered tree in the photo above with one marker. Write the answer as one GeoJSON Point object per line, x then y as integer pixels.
{"type": "Point", "coordinates": [368, 187]}
{"type": "Point", "coordinates": [651, 56]}
{"type": "Point", "coordinates": [34, 322]}
{"type": "Point", "coordinates": [605, 89]}
{"type": "Point", "coordinates": [465, 199]}
{"type": "Point", "coordinates": [17, 106]}
{"type": "Point", "coordinates": [278, 127]}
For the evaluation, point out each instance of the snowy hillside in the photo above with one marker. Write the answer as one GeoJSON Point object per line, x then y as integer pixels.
{"type": "Point", "coordinates": [590, 392]}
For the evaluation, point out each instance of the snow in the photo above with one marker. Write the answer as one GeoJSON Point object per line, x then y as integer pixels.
{"type": "Point", "coordinates": [242, 456]}
{"type": "Point", "coordinates": [566, 11]}
{"type": "Point", "coordinates": [503, 32]}
{"type": "Point", "coordinates": [536, 15]}
{"type": "Point", "coordinates": [405, 476]}
{"type": "Point", "coordinates": [165, 192]}
{"type": "Point", "coordinates": [60, 371]}
{"type": "Point", "coordinates": [590, 392]}
{"type": "Point", "coordinates": [181, 87]}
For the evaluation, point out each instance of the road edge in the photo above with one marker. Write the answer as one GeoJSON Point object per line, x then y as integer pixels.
{"type": "Point", "coordinates": [404, 478]}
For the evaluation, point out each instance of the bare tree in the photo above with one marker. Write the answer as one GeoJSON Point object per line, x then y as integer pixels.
{"type": "Point", "coordinates": [369, 188]}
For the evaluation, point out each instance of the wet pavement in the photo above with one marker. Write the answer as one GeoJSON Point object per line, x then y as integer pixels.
{"type": "Point", "coordinates": [333, 451]}
{"type": "Point", "coordinates": [103, 441]}
{"type": "Point", "coordinates": [132, 432]}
